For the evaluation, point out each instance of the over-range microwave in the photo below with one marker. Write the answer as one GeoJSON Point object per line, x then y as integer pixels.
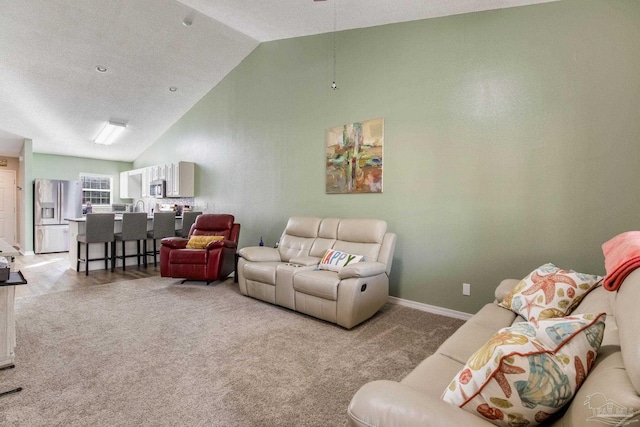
{"type": "Point", "coordinates": [157, 189]}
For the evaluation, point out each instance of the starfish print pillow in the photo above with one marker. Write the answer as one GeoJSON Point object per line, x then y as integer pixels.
{"type": "Point", "coordinates": [549, 292]}
{"type": "Point", "coordinates": [527, 372]}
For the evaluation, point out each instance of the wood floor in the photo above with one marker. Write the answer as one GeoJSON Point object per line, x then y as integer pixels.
{"type": "Point", "coordinates": [48, 273]}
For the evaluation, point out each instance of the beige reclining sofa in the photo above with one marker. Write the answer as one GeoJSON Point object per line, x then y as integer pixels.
{"type": "Point", "coordinates": [609, 396]}
{"type": "Point", "coordinates": [289, 275]}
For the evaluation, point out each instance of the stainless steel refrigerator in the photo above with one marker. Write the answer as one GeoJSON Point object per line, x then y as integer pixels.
{"type": "Point", "coordinates": [53, 201]}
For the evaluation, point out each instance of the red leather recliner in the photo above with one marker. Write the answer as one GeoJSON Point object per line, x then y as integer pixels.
{"type": "Point", "coordinates": [215, 262]}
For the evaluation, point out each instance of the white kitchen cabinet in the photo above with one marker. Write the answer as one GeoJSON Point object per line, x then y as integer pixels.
{"type": "Point", "coordinates": [124, 185]}
{"type": "Point", "coordinates": [158, 172]}
{"type": "Point", "coordinates": [135, 184]}
{"type": "Point", "coordinates": [146, 174]}
{"type": "Point", "coordinates": [131, 184]}
{"type": "Point", "coordinates": [180, 179]}
{"type": "Point", "coordinates": [153, 173]}
{"type": "Point", "coordinates": [169, 189]}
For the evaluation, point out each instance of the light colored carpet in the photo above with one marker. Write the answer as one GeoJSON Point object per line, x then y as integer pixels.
{"type": "Point", "coordinates": [154, 352]}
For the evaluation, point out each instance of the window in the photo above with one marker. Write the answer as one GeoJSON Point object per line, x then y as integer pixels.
{"type": "Point", "coordinates": [96, 189]}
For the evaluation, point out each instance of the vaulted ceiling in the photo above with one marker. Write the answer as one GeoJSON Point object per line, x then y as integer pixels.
{"type": "Point", "coordinates": [161, 57]}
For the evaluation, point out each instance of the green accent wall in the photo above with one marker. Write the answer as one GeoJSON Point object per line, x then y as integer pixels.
{"type": "Point", "coordinates": [51, 166]}
{"type": "Point", "coordinates": [511, 140]}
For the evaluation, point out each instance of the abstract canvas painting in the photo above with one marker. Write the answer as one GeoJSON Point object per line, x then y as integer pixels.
{"type": "Point", "coordinates": [354, 157]}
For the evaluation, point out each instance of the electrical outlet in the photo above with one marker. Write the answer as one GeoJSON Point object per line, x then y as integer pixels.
{"type": "Point", "coordinates": [466, 289]}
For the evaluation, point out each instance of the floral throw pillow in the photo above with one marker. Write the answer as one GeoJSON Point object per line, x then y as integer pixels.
{"type": "Point", "coordinates": [549, 292]}
{"type": "Point", "coordinates": [528, 371]}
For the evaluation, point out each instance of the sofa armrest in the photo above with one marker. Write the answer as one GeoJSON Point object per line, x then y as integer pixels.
{"type": "Point", "coordinates": [260, 254]}
{"type": "Point", "coordinates": [221, 244]}
{"type": "Point", "coordinates": [305, 260]}
{"type": "Point", "coordinates": [504, 288]}
{"type": "Point", "coordinates": [175, 242]}
{"type": "Point", "coordinates": [362, 269]}
{"type": "Point", "coordinates": [389, 403]}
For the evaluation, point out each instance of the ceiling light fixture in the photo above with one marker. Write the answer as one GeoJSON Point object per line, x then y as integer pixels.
{"type": "Point", "coordinates": [101, 69]}
{"type": "Point", "coordinates": [109, 133]}
{"type": "Point", "coordinates": [173, 89]}
{"type": "Point", "coordinates": [187, 22]}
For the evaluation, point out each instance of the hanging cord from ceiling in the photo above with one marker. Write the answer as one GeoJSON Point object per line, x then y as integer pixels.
{"type": "Point", "coordinates": [334, 86]}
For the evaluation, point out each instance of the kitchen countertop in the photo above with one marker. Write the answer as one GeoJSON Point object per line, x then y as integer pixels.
{"type": "Point", "coordinates": [117, 218]}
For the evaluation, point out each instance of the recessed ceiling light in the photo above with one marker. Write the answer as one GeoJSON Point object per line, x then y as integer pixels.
{"type": "Point", "coordinates": [173, 89]}
{"type": "Point", "coordinates": [101, 69]}
{"type": "Point", "coordinates": [187, 22]}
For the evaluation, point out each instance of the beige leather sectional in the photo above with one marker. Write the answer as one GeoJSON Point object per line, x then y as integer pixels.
{"type": "Point", "coordinates": [289, 275]}
{"type": "Point", "coordinates": [608, 396]}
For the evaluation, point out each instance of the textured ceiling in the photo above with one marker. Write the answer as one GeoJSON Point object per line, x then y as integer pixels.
{"type": "Point", "coordinates": [51, 93]}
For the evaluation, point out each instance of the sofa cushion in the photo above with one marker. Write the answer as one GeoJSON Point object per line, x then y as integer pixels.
{"type": "Point", "coordinates": [294, 247]}
{"type": "Point", "coordinates": [298, 237]}
{"type": "Point", "coordinates": [528, 371]}
{"type": "Point", "coordinates": [361, 236]}
{"type": "Point", "coordinates": [336, 260]}
{"type": "Point", "coordinates": [549, 292]}
{"type": "Point", "coordinates": [302, 226]}
{"type": "Point", "coordinates": [320, 246]}
{"type": "Point", "coordinates": [606, 397]}
{"type": "Point", "coordinates": [329, 228]}
{"type": "Point", "coordinates": [628, 317]}
{"type": "Point", "coordinates": [188, 256]}
{"type": "Point", "coordinates": [264, 272]}
{"type": "Point", "coordinates": [319, 283]}
{"type": "Point", "coordinates": [439, 369]}
{"type": "Point", "coordinates": [475, 332]}
{"type": "Point", "coordinates": [201, 242]}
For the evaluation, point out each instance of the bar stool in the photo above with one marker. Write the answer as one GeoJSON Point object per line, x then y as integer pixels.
{"type": "Point", "coordinates": [98, 229]}
{"type": "Point", "coordinates": [164, 225]}
{"type": "Point", "coordinates": [134, 227]}
{"type": "Point", "coordinates": [188, 218]}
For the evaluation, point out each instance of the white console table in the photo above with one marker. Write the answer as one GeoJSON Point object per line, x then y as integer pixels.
{"type": "Point", "coordinates": [7, 315]}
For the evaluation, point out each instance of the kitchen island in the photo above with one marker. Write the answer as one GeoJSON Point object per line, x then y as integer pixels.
{"type": "Point", "coordinates": [77, 226]}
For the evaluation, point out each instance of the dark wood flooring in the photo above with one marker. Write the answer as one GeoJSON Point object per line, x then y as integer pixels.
{"type": "Point", "coordinates": [48, 273]}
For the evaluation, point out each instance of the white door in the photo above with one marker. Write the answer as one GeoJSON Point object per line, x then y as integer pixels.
{"type": "Point", "coordinates": [8, 206]}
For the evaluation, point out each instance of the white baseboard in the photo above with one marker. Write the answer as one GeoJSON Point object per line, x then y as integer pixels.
{"type": "Point", "coordinates": [430, 308]}
{"type": "Point", "coordinates": [27, 253]}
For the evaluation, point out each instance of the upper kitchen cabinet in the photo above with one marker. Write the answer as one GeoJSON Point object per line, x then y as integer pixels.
{"type": "Point", "coordinates": [180, 177]}
{"type": "Point", "coordinates": [131, 184]}
{"type": "Point", "coordinates": [159, 172]}
{"type": "Point", "coordinates": [124, 185]}
{"type": "Point", "coordinates": [179, 180]}
{"type": "Point", "coordinates": [146, 179]}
